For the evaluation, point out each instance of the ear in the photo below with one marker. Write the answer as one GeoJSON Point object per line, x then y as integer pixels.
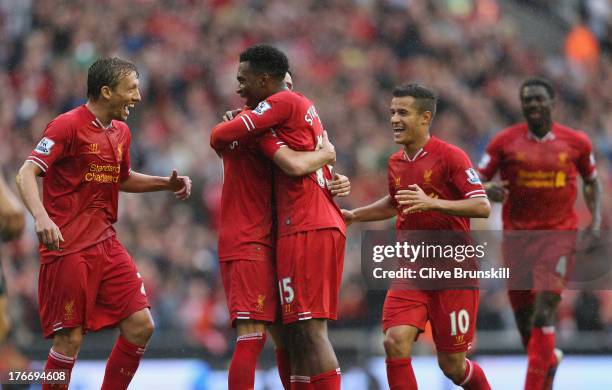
{"type": "Point", "coordinates": [106, 92]}
{"type": "Point", "coordinates": [426, 118]}
{"type": "Point", "coordinates": [264, 78]}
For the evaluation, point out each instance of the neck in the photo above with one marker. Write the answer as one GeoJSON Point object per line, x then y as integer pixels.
{"type": "Point", "coordinates": [540, 131]}
{"type": "Point", "coordinates": [413, 147]}
{"type": "Point", "coordinates": [99, 112]}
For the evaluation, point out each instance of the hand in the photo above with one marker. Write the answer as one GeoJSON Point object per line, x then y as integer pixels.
{"type": "Point", "coordinates": [180, 185]}
{"type": "Point", "coordinates": [12, 219]}
{"type": "Point", "coordinates": [229, 115]}
{"type": "Point", "coordinates": [340, 186]}
{"type": "Point", "coordinates": [416, 198]}
{"type": "Point", "coordinates": [497, 191]}
{"type": "Point", "coordinates": [349, 216]}
{"type": "Point", "coordinates": [48, 233]}
{"type": "Point", "coordinates": [591, 237]}
{"type": "Point", "coordinates": [328, 147]}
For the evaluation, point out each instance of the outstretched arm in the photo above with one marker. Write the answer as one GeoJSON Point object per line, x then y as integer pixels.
{"type": "Point", "coordinates": [380, 210]}
{"type": "Point", "coordinates": [139, 182]}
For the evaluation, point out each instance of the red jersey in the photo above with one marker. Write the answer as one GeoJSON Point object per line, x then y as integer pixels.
{"type": "Point", "coordinates": [245, 231]}
{"type": "Point", "coordinates": [442, 171]}
{"type": "Point", "coordinates": [541, 175]}
{"type": "Point", "coordinates": [302, 203]}
{"type": "Point", "coordinates": [83, 164]}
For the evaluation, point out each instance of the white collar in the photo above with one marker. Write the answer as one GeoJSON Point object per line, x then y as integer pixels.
{"type": "Point", "coordinates": [547, 137]}
{"type": "Point", "coordinates": [418, 154]}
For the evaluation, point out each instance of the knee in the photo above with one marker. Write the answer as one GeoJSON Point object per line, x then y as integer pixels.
{"type": "Point", "coordinates": [396, 345]}
{"type": "Point", "coordinates": [453, 367]}
{"type": "Point", "coordinates": [140, 333]}
{"type": "Point", "coordinates": [68, 341]}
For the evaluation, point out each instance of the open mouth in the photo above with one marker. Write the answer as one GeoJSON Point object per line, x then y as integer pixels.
{"type": "Point", "coordinates": [126, 109]}
{"type": "Point", "coordinates": [398, 130]}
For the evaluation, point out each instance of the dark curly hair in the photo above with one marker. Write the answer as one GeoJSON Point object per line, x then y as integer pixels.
{"type": "Point", "coordinates": [264, 58]}
{"type": "Point", "coordinates": [537, 81]}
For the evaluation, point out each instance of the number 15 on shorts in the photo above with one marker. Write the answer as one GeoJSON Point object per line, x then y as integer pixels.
{"type": "Point", "coordinates": [286, 293]}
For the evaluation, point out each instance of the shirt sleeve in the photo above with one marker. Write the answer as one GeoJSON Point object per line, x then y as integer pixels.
{"type": "Point", "coordinates": [268, 114]}
{"type": "Point", "coordinates": [463, 176]}
{"type": "Point", "coordinates": [586, 159]}
{"type": "Point", "coordinates": [126, 163]}
{"type": "Point", "coordinates": [489, 163]}
{"type": "Point", "coordinates": [269, 143]}
{"type": "Point", "coordinates": [55, 144]}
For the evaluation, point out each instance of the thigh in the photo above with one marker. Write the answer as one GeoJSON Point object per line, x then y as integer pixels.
{"type": "Point", "coordinates": [405, 307]}
{"type": "Point", "coordinates": [121, 291]}
{"type": "Point", "coordinates": [67, 288]}
{"type": "Point", "coordinates": [452, 314]}
{"type": "Point", "coordinates": [251, 290]}
{"type": "Point", "coordinates": [309, 268]}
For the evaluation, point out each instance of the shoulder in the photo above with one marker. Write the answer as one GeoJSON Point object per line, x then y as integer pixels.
{"type": "Point", "coordinates": [449, 151]}
{"type": "Point", "coordinates": [395, 158]}
{"type": "Point", "coordinates": [571, 135]}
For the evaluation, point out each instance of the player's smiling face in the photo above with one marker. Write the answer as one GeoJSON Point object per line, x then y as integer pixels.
{"type": "Point", "coordinates": [408, 124]}
{"type": "Point", "coordinates": [250, 85]}
{"type": "Point", "coordinates": [537, 105]}
{"type": "Point", "coordinates": [124, 96]}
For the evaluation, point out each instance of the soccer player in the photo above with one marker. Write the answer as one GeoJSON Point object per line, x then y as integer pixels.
{"type": "Point", "coordinates": [11, 225]}
{"type": "Point", "coordinates": [432, 186]}
{"type": "Point", "coordinates": [246, 246]}
{"type": "Point", "coordinates": [87, 280]}
{"type": "Point", "coordinates": [538, 163]}
{"type": "Point", "coordinates": [310, 243]}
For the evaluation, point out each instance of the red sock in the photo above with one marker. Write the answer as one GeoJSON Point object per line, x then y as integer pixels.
{"type": "Point", "coordinates": [329, 380]}
{"type": "Point", "coordinates": [474, 377]}
{"type": "Point", "coordinates": [57, 361]}
{"type": "Point", "coordinates": [540, 354]}
{"type": "Point", "coordinates": [400, 374]}
{"type": "Point", "coordinates": [242, 369]}
{"type": "Point", "coordinates": [122, 364]}
{"type": "Point", "coordinates": [284, 367]}
{"type": "Point", "coordinates": [300, 382]}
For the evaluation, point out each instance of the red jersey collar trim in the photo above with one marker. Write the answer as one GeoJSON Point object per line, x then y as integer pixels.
{"type": "Point", "coordinates": [421, 153]}
{"type": "Point", "coordinates": [550, 136]}
{"type": "Point", "coordinates": [95, 121]}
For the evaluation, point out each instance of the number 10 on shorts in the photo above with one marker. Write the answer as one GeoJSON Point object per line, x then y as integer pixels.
{"type": "Point", "coordinates": [462, 319]}
{"type": "Point", "coordinates": [286, 292]}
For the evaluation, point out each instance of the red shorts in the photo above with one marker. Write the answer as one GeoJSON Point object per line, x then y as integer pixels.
{"type": "Point", "coordinates": [309, 267]}
{"type": "Point", "coordinates": [451, 313]}
{"type": "Point", "coordinates": [94, 288]}
{"type": "Point", "coordinates": [538, 261]}
{"type": "Point", "coordinates": [250, 290]}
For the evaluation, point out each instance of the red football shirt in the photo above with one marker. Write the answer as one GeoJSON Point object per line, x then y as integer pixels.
{"type": "Point", "coordinates": [303, 203]}
{"type": "Point", "coordinates": [442, 171]}
{"type": "Point", "coordinates": [246, 230]}
{"type": "Point", "coordinates": [541, 175]}
{"type": "Point", "coordinates": [83, 164]}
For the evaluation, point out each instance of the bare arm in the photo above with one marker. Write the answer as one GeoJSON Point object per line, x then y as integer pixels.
{"type": "Point", "coordinates": [139, 182]}
{"type": "Point", "coordinates": [417, 200]}
{"type": "Point", "coordinates": [380, 210]}
{"type": "Point", "coordinates": [592, 195]}
{"type": "Point", "coordinates": [295, 163]}
{"type": "Point", "coordinates": [47, 231]}
{"type": "Point", "coordinates": [11, 212]}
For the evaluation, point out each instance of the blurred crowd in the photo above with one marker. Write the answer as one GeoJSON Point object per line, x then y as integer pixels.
{"type": "Point", "coordinates": [345, 55]}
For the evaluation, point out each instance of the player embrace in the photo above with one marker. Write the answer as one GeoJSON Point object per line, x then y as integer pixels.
{"type": "Point", "coordinates": [432, 186]}
{"type": "Point", "coordinates": [310, 230]}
